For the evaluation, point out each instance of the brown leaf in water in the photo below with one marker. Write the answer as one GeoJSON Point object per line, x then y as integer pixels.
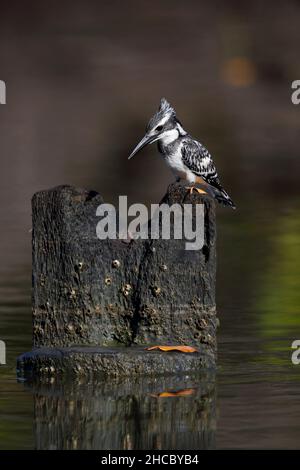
{"type": "Point", "coordinates": [180, 393]}
{"type": "Point", "coordinates": [184, 349]}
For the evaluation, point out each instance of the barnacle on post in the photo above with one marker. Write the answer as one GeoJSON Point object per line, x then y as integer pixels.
{"type": "Point", "coordinates": [116, 263]}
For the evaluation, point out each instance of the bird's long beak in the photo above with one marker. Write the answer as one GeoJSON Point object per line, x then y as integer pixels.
{"type": "Point", "coordinates": [145, 141]}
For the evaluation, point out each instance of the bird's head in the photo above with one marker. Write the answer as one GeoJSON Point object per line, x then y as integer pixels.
{"type": "Point", "coordinates": [164, 125]}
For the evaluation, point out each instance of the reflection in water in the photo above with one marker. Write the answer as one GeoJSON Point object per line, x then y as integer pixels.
{"type": "Point", "coordinates": [163, 413]}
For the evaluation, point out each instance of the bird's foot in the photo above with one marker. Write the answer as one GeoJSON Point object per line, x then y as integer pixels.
{"type": "Point", "coordinates": [198, 190]}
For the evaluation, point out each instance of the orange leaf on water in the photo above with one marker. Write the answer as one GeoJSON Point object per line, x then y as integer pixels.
{"type": "Point", "coordinates": [179, 393]}
{"type": "Point", "coordinates": [184, 349]}
{"type": "Point", "coordinates": [185, 393]}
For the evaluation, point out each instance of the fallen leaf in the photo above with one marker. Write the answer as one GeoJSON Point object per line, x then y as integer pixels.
{"type": "Point", "coordinates": [184, 349]}
{"type": "Point", "coordinates": [179, 393]}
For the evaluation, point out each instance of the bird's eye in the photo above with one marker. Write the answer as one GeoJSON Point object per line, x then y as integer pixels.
{"type": "Point", "coordinates": [159, 128]}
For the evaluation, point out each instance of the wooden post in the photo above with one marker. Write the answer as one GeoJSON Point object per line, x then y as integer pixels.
{"type": "Point", "coordinates": [109, 293]}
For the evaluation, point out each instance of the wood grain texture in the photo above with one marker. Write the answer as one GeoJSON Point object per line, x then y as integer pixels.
{"type": "Point", "coordinates": [157, 293]}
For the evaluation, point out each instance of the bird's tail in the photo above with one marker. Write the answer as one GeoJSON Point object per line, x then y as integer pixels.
{"type": "Point", "coordinates": [223, 198]}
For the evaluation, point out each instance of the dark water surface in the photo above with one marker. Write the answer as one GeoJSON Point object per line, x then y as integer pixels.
{"type": "Point", "coordinates": [252, 401]}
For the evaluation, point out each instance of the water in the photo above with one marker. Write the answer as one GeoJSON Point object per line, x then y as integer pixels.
{"type": "Point", "coordinates": [253, 399]}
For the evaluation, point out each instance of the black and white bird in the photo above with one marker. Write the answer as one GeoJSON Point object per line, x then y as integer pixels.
{"type": "Point", "coordinates": [188, 158]}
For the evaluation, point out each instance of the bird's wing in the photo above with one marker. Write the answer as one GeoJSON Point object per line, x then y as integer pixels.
{"type": "Point", "coordinates": [198, 159]}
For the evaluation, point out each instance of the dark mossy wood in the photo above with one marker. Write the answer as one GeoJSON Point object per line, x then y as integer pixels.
{"type": "Point", "coordinates": [105, 293]}
{"type": "Point", "coordinates": [158, 292]}
{"type": "Point", "coordinates": [111, 362]}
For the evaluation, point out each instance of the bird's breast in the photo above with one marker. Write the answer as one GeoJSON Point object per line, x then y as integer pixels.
{"type": "Point", "coordinates": [173, 159]}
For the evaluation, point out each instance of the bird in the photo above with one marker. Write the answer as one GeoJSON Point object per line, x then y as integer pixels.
{"type": "Point", "coordinates": [188, 159]}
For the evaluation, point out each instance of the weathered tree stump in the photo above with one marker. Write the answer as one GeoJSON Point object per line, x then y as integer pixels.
{"type": "Point", "coordinates": [111, 293]}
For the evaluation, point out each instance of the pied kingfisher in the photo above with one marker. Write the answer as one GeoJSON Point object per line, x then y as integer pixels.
{"type": "Point", "coordinates": [188, 159]}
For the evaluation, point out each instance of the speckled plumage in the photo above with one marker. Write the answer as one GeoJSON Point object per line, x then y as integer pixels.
{"type": "Point", "coordinates": [188, 158]}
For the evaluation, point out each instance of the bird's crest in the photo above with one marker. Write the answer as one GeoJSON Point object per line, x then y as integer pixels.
{"type": "Point", "coordinates": [165, 111]}
{"type": "Point", "coordinates": [165, 107]}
